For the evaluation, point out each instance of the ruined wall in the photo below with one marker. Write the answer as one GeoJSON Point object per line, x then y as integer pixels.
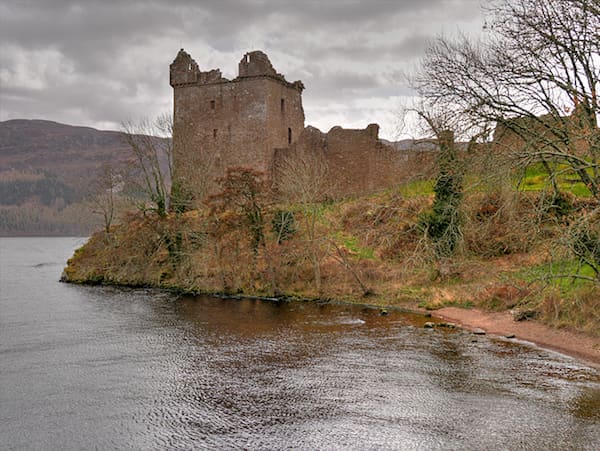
{"type": "Point", "coordinates": [357, 161]}
{"type": "Point", "coordinates": [220, 123]}
{"type": "Point", "coordinates": [573, 133]}
{"type": "Point", "coordinates": [256, 120]}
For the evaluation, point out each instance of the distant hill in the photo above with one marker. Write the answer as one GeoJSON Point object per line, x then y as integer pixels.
{"type": "Point", "coordinates": [72, 154]}
{"type": "Point", "coordinates": [411, 144]}
{"type": "Point", "coordinates": [46, 169]}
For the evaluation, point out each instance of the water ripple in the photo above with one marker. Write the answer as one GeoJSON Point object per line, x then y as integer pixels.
{"type": "Point", "coordinates": [85, 367]}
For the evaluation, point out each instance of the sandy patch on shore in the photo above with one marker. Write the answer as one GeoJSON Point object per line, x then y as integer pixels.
{"type": "Point", "coordinates": [582, 346]}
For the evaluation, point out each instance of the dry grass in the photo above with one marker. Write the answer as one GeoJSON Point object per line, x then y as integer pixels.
{"type": "Point", "coordinates": [580, 311]}
{"type": "Point", "coordinates": [368, 250]}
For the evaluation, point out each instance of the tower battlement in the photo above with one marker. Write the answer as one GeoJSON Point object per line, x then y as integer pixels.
{"type": "Point", "coordinates": [231, 123]}
{"type": "Point", "coordinates": [256, 120]}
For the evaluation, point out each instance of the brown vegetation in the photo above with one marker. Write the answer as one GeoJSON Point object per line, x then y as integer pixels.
{"type": "Point", "coordinates": [368, 249]}
{"type": "Point", "coordinates": [515, 228]}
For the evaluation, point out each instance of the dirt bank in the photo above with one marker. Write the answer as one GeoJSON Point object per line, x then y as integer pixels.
{"type": "Point", "coordinates": [568, 342]}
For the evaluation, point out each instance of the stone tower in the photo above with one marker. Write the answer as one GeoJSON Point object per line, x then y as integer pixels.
{"type": "Point", "coordinates": [220, 123]}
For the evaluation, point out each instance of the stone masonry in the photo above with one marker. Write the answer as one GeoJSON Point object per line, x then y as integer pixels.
{"type": "Point", "coordinates": [220, 123]}
{"type": "Point", "coordinates": [257, 118]}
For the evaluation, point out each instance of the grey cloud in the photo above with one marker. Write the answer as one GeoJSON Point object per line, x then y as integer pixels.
{"type": "Point", "coordinates": [345, 86]}
{"type": "Point", "coordinates": [404, 48]}
{"type": "Point", "coordinates": [114, 55]}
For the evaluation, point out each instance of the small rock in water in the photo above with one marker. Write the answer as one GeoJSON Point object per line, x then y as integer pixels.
{"type": "Point", "coordinates": [447, 325]}
{"type": "Point", "coordinates": [478, 331]}
{"type": "Point", "coordinates": [383, 312]}
{"type": "Point", "coordinates": [509, 336]}
{"type": "Point", "coordinates": [429, 325]}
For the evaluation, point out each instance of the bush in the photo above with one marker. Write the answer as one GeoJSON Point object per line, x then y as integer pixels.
{"type": "Point", "coordinates": [443, 224]}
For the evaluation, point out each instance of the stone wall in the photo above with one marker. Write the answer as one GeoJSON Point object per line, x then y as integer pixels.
{"type": "Point", "coordinates": [357, 161]}
{"type": "Point", "coordinates": [547, 133]}
{"type": "Point", "coordinates": [220, 123]}
{"type": "Point", "coordinates": [256, 120]}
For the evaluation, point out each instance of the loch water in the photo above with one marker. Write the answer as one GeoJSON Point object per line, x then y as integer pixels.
{"type": "Point", "coordinates": [89, 367]}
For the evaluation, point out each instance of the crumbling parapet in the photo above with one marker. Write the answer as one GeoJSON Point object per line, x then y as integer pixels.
{"type": "Point", "coordinates": [185, 71]}
{"type": "Point", "coordinates": [257, 64]}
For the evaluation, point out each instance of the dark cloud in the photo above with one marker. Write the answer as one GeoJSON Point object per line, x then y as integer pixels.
{"type": "Point", "coordinates": [99, 62]}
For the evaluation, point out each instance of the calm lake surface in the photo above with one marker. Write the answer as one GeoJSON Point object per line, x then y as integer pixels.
{"type": "Point", "coordinates": [104, 368]}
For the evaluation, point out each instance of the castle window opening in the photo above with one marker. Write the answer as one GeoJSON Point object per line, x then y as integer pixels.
{"type": "Point", "coordinates": [212, 104]}
{"type": "Point", "coordinates": [215, 133]}
{"type": "Point", "coordinates": [289, 135]}
{"type": "Point", "coordinates": [282, 105]}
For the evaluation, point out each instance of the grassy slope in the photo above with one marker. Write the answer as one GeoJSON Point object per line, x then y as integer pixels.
{"type": "Point", "coordinates": [370, 250]}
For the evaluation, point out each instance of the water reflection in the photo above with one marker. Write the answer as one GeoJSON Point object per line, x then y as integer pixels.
{"type": "Point", "coordinates": [262, 373]}
{"type": "Point", "coordinates": [109, 368]}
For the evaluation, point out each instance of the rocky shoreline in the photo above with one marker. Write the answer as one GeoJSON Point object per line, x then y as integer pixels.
{"type": "Point", "coordinates": [568, 342]}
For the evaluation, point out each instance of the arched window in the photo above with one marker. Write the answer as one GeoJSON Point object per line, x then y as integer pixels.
{"type": "Point", "coordinates": [289, 135]}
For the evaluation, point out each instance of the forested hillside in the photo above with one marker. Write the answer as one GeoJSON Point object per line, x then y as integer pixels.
{"type": "Point", "coordinates": [46, 173]}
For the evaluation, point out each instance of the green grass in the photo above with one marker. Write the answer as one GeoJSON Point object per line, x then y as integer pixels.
{"type": "Point", "coordinates": [550, 271]}
{"type": "Point", "coordinates": [417, 188]}
{"type": "Point", "coordinates": [536, 179]}
{"type": "Point", "coordinates": [351, 243]}
{"type": "Point", "coordinates": [577, 188]}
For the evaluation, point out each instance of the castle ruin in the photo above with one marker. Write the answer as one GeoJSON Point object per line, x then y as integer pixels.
{"type": "Point", "coordinates": [256, 119]}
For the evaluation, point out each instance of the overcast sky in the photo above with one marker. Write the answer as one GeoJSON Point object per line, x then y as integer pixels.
{"type": "Point", "coordinates": [100, 62]}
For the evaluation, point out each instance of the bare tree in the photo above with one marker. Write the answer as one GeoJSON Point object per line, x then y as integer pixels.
{"type": "Point", "coordinates": [534, 78]}
{"type": "Point", "coordinates": [535, 75]}
{"type": "Point", "coordinates": [244, 194]}
{"type": "Point", "coordinates": [302, 178]}
{"type": "Point", "coordinates": [584, 240]}
{"type": "Point", "coordinates": [302, 175]}
{"type": "Point", "coordinates": [194, 174]}
{"type": "Point", "coordinates": [104, 192]}
{"type": "Point", "coordinates": [439, 125]}
{"type": "Point", "coordinates": [152, 147]}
